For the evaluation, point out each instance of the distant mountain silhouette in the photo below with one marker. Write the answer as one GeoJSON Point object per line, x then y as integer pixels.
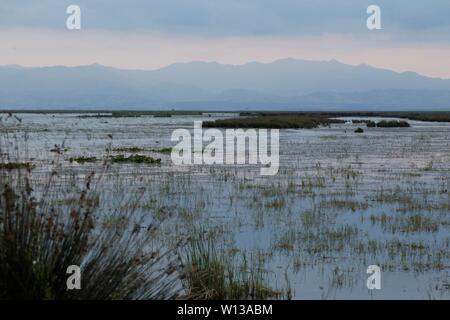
{"type": "Point", "coordinates": [282, 84]}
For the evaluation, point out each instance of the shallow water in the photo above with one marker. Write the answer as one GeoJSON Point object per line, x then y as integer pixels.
{"type": "Point", "coordinates": [341, 201]}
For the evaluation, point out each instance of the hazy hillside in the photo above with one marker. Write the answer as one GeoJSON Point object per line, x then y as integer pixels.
{"type": "Point", "coordinates": [282, 84]}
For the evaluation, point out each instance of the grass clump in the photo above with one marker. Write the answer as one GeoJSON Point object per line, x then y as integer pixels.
{"type": "Point", "coordinates": [213, 275]}
{"type": "Point", "coordinates": [163, 115]}
{"type": "Point", "coordinates": [135, 158]}
{"type": "Point", "coordinates": [433, 116]}
{"type": "Point", "coordinates": [126, 114]}
{"type": "Point", "coordinates": [83, 159]}
{"type": "Point", "coordinates": [281, 121]}
{"type": "Point", "coordinates": [358, 121]}
{"type": "Point", "coordinates": [40, 239]}
{"type": "Point", "coordinates": [163, 150]}
{"type": "Point", "coordinates": [16, 166]}
{"type": "Point", "coordinates": [393, 124]}
{"type": "Point", "coordinates": [128, 149]}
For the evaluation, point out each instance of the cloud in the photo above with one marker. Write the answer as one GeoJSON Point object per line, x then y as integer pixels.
{"type": "Point", "coordinates": [148, 34]}
{"type": "Point", "coordinates": [402, 19]}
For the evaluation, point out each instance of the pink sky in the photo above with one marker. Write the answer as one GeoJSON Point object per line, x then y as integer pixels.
{"type": "Point", "coordinates": [45, 47]}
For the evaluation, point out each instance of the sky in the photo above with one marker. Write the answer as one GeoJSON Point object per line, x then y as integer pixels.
{"type": "Point", "coordinates": [149, 34]}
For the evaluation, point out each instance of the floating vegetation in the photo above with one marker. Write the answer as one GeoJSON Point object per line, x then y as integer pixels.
{"type": "Point", "coordinates": [16, 165]}
{"type": "Point", "coordinates": [83, 159]}
{"type": "Point", "coordinates": [162, 150]}
{"type": "Point", "coordinates": [128, 149]}
{"type": "Point", "coordinates": [135, 158]}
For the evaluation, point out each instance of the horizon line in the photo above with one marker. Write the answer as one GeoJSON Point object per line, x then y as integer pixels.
{"type": "Point", "coordinates": [219, 63]}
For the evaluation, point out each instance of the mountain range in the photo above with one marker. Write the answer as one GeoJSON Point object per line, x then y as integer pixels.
{"type": "Point", "coordinates": [287, 84]}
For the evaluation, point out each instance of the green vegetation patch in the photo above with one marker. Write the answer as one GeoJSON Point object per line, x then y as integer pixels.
{"type": "Point", "coordinates": [135, 158]}
{"type": "Point", "coordinates": [83, 159]}
{"type": "Point", "coordinates": [128, 149]}
{"type": "Point", "coordinates": [16, 165]}
{"type": "Point", "coordinates": [163, 150]}
{"type": "Point", "coordinates": [138, 114]}
{"type": "Point", "coordinates": [393, 124]}
{"type": "Point", "coordinates": [281, 121]}
{"type": "Point", "coordinates": [162, 115]}
{"type": "Point", "coordinates": [213, 274]}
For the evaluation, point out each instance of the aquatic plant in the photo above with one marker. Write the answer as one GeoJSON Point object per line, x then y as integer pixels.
{"type": "Point", "coordinates": [128, 149]}
{"type": "Point", "coordinates": [135, 158]}
{"type": "Point", "coordinates": [83, 159]}
{"type": "Point", "coordinates": [162, 150]}
{"type": "Point", "coordinates": [214, 275]}
{"type": "Point", "coordinates": [291, 121]}
{"type": "Point", "coordinates": [393, 124]}
{"type": "Point", "coordinates": [40, 238]}
{"type": "Point", "coordinates": [15, 165]}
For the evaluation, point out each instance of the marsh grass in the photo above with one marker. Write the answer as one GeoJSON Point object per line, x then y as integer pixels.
{"type": "Point", "coordinates": [128, 149]}
{"type": "Point", "coordinates": [40, 238]}
{"type": "Point", "coordinates": [344, 203]}
{"type": "Point", "coordinates": [287, 121]}
{"type": "Point", "coordinates": [16, 165]}
{"type": "Point", "coordinates": [393, 124]}
{"type": "Point", "coordinates": [83, 159]}
{"type": "Point", "coordinates": [135, 158]}
{"type": "Point", "coordinates": [162, 150]}
{"type": "Point", "coordinates": [213, 275]}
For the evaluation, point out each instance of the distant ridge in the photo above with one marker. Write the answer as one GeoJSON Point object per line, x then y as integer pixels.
{"type": "Point", "coordinates": [282, 84]}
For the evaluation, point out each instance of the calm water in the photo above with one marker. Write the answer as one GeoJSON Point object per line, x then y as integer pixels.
{"type": "Point", "coordinates": [341, 201]}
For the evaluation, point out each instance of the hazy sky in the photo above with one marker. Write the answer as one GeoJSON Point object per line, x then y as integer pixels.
{"type": "Point", "coordinates": [147, 34]}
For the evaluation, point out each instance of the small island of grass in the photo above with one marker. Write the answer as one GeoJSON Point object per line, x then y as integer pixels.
{"type": "Point", "coordinates": [277, 121]}
{"type": "Point", "coordinates": [16, 165]}
{"type": "Point", "coordinates": [136, 158]}
{"type": "Point", "coordinates": [82, 160]}
{"type": "Point", "coordinates": [393, 124]}
{"type": "Point", "coordinates": [128, 149]}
